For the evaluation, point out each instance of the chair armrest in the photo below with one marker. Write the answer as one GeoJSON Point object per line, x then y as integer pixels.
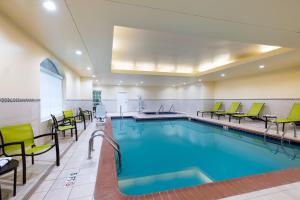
{"type": "Point", "coordinates": [43, 135]}
{"type": "Point", "coordinates": [14, 143]}
{"type": "Point", "coordinates": [11, 143]}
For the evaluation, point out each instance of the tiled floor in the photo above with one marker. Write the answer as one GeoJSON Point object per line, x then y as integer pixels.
{"type": "Point", "coordinates": [284, 192]}
{"type": "Point", "coordinates": [59, 184]}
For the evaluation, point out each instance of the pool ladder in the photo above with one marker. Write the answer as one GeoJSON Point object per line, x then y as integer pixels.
{"type": "Point", "coordinates": [107, 138]}
{"type": "Point", "coordinates": [161, 109]}
{"type": "Point", "coordinates": [283, 134]}
{"type": "Point", "coordinates": [172, 107]}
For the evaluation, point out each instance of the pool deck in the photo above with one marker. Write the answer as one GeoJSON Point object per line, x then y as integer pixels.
{"type": "Point", "coordinates": [107, 182]}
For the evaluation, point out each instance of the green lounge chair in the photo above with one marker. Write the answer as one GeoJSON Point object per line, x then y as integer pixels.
{"type": "Point", "coordinates": [253, 112]}
{"type": "Point", "coordinates": [87, 113]}
{"type": "Point", "coordinates": [214, 109]}
{"type": "Point", "coordinates": [293, 117]}
{"type": "Point", "coordinates": [68, 115]}
{"type": "Point", "coordinates": [231, 111]}
{"type": "Point", "coordinates": [23, 134]}
{"type": "Point", "coordinates": [63, 126]}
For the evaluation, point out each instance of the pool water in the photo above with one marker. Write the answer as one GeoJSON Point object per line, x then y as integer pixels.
{"type": "Point", "coordinates": [161, 155]}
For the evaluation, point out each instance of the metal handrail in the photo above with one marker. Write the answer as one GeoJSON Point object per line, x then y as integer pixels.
{"type": "Point", "coordinates": [161, 108]}
{"type": "Point", "coordinates": [172, 107]}
{"type": "Point", "coordinates": [109, 139]}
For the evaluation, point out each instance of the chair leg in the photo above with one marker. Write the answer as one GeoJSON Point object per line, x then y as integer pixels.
{"type": "Point", "coordinates": [64, 133]}
{"type": "Point", "coordinates": [24, 169]}
{"type": "Point", "coordinates": [71, 132]}
{"type": "Point", "coordinates": [57, 150]}
{"type": "Point", "coordinates": [76, 136]}
{"type": "Point", "coordinates": [239, 120]}
{"type": "Point", "coordinates": [15, 181]}
{"type": "Point", "coordinates": [32, 159]}
{"type": "Point", "coordinates": [84, 125]}
{"type": "Point", "coordinates": [0, 193]}
{"type": "Point", "coordinates": [283, 126]}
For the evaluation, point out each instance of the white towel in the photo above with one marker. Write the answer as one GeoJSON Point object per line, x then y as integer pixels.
{"type": "Point", "coordinates": [4, 161]}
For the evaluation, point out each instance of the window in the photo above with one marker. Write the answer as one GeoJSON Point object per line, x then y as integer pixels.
{"type": "Point", "coordinates": [50, 90]}
{"type": "Point", "coordinates": [96, 97]}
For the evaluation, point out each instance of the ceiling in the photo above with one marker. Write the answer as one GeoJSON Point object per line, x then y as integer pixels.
{"type": "Point", "coordinates": [170, 31]}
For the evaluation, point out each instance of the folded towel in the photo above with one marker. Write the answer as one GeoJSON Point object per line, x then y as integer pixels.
{"type": "Point", "coordinates": [4, 161]}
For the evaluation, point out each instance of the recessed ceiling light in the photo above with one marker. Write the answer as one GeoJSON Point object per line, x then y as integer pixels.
{"type": "Point", "coordinates": [173, 85]}
{"type": "Point", "coordinates": [49, 5]}
{"type": "Point", "coordinates": [223, 75]}
{"type": "Point", "coordinates": [199, 79]}
{"type": "Point", "coordinates": [121, 81]}
{"type": "Point", "coordinates": [93, 75]}
{"type": "Point", "coordinates": [119, 84]}
{"type": "Point", "coordinates": [97, 80]}
{"type": "Point", "coordinates": [136, 84]}
{"type": "Point", "coordinates": [78, 52]}
{"type": "Point", "coordinates": [88, 68]}
{"type": "Point", "coordinates": [261, 66]}
{"type": "Point", "coordinates": [141, 82]}
{"type": "Point", "coordinates": [184, 83]}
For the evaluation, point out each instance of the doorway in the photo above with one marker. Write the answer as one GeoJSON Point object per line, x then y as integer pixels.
{"type": "Point", "coordinates": [122, 102]}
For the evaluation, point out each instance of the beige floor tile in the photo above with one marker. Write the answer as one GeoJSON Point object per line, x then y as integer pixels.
{"type": "Point", "coordinates": [38, 196]}
{"type": "Point", "coordinates": [45, 186]}
{"type": "Point", "coordinates": [82, 191]}
{"type": "Point", "coordinates": [60, 194]}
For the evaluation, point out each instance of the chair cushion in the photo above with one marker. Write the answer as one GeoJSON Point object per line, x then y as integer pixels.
{"type": "Point", "coordinates": [37, 149]}
{"type": "Point", "coordinates": [282, 120]}
{"type": "Point", "coordinates": [67, 127]}
{"type": "Point", "coordinates": [17, 133]}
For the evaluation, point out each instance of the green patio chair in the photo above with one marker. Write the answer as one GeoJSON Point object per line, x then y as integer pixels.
{"type": "Point", "coordinates": [87, 113]}
{"type": "Point", "coordinates": [231, 111]}
{"type": "Point", "coordinates": [253, 112]}
{"type": "Point", "coordinates": [214, 109]}
{"type": "Point", "coordinates": [68, 115]}
{"type": "Point", "coordinates": [23, 134]}
{"type": "Point", "coordinates": [293, 117]}
{"type": "Point", "coordinates": [63, 126]}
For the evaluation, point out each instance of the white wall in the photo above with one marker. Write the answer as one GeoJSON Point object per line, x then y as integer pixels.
{"type": "Point", "coordinates": [20, 59]}
{"type": "Point", "coordinates": [195, 91]}
{"type": "Point", "coordinates": [277, 84]}
{"type": "Point", "coordinates": [185, 99]}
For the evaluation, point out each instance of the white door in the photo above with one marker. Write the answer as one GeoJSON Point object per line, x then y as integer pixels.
{"type": "Point", "coordinates": [122, 102]}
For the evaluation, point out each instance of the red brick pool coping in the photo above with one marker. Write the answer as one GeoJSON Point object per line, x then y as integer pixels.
{"type": "Point", "coordinates": [106, 187]}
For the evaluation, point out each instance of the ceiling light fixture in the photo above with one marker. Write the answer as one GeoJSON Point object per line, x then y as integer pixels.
{"type": "Point", "coordinates": [142, 82]}
{"type": "Point", "coordinates": [267, 48]}
{"type": "Point", "coordinates": [216, 62]}
{"type": "Point", "coordinates": [223, 75]}
{"type": "Point", "coordinates": [88, 68]}
{"type": "Point", "coordinates": [97, 80]}
{"type": "Point", "coordinates": [78, 52]}
{"type": "Point", "coordinates": [184, 83]}
{"type": "Point", "coordinates": [199, 80]}
{"type": "Point", "coordinates": [93, 75]}
{"type": "Point", "coordinates": [261, 66]}
{"type": "Point", "coordinates": [49, 5]}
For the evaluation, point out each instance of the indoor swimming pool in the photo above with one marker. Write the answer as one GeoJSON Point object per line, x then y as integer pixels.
{"type": "Point", "coordinates": [160, 155]}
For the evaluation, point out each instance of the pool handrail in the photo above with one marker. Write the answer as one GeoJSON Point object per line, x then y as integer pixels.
{"type": "Point", "coordinates": [172, 107]}
{"type": "Point", "coordinates": [107, 138]}
{"type": "Point", "coordinates": [161, 109]}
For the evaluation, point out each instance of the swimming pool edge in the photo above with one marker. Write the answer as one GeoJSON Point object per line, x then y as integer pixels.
{"type": "Point", "coordinates": [106, 187]}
